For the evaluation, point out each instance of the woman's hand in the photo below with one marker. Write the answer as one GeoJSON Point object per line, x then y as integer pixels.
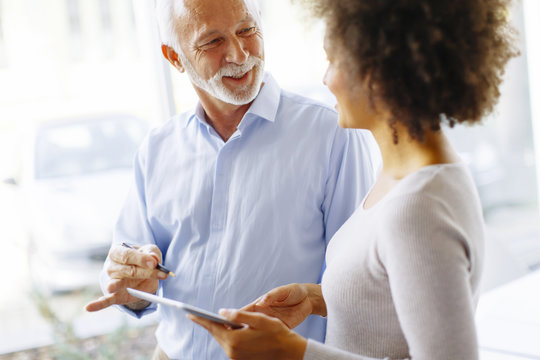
{"type": "Point", "coordinates": [263, 337]}
{"type": "Point", "coordinates": [290, 303]}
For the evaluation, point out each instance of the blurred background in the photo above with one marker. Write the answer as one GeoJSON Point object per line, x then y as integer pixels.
{"type": "Point", "coordinates": [81, 83]}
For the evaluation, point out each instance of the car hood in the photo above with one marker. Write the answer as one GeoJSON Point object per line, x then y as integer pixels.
{"type": "Point", "coordinates": [77, 211]}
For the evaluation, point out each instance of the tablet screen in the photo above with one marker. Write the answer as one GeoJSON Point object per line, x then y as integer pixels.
{"type": "Point", "coordinates": [180, 305]}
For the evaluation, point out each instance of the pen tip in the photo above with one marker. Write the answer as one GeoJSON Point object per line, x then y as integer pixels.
{"type": "Point", "coordinates": [172, 274]}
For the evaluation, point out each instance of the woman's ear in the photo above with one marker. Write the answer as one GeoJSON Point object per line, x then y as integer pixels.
{"type": "Point", "coordinates": [172, 57]}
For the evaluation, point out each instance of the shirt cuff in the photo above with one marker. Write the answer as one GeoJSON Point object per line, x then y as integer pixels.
{"type": "Point", "coordinates": [138, 313]}
{"type": "Point", "coordinates": [104, 279]}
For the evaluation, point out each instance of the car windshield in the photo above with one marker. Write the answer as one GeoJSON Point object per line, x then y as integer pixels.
{"type": "Point", "coordinates": [84, 147]}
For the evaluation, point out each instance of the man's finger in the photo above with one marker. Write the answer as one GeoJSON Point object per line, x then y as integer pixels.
{"type": "Point", "coordinates": [101, 303]}
{"type": "Point", "coordinates": [117, 271]}
{"type": "Point", "coordinates": [126, 256]}
{"type": "Point", "coordinates": [117, 285]}
{"type": "Point", "coordinates": [152, 250]}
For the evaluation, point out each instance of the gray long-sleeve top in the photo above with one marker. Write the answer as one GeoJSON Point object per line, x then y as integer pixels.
{"type": "Point", "coordinates": [403, 276]}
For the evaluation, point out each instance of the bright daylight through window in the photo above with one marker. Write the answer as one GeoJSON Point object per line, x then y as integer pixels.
{"type": "Point", "coordinates": [2, 45]}
{"type": "Point", "coordinates": [82, 82]}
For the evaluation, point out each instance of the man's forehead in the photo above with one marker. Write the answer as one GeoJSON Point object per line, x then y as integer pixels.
{"type": "Point", "coordinates": [201, 10]}
{"type": "Point", "coordinates": [198, 18]}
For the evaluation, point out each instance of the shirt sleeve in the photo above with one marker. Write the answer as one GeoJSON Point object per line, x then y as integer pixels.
{"type": "Point", "coordinates": [427, 256]}
{"type": "Point", "coordinates": [354, 162]}
{"type": "Point", "coordinates": [132, 225]}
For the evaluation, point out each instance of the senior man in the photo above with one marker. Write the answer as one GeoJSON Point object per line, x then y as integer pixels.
{"type": "Point", "coordinates": [238, 196]}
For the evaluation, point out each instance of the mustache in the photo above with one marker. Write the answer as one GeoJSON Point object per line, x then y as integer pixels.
{"type": "Point", "coordinates": [233, 70]}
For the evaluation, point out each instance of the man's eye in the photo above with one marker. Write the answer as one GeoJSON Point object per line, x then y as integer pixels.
{"type": "Point", "coordinates": [213, 42]}
{"type": "Point", "coordinates": [247, 31]}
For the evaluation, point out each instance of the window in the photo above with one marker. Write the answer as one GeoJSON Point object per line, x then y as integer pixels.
{"type": "Point", "coordinates": [532, 31]}
{"type": "Point", "coordinates": [75, 30]}
{"type": "Point", "coordinates": [105, 11]}
{"type": "Point", "coordinates": [107, 28]}
{"type": "Point", "coordinates": [131, 13]}
{"type": "Point", "coordinates": [73, 134]}
{"type": "Point", "coordinates": [501, 153]}
{"type": "Point", "coordinates": [3, 57]}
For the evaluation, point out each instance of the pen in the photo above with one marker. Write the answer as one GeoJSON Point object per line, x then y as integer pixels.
{"type": "Point", "coordinates": [158, 266]}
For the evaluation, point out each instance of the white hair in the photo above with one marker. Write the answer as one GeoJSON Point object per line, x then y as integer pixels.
{"type": "Point", "coordinates": [167, 12]}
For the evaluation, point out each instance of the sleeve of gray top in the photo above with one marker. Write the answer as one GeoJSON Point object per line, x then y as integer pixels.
{"type": "Point", "coordinates": [317, 351]}
{"type": "Point", "coordinates": [426, 254]}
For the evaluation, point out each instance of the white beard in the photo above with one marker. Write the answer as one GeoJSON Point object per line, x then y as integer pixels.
{"type": "Point", "coordinates": [215, 87]}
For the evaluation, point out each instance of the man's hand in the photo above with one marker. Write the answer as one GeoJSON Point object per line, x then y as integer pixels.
{"type": "Point", "coordinates": [290, 303]}
{"type": "Point", "coordinates": [133, 268]}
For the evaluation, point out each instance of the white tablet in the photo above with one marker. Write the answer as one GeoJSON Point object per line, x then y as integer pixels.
{"type": "Point", "coordinates": [180, 305]}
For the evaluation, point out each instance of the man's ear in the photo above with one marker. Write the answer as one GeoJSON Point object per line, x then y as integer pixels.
{"type": "Point", "coordinates": [172, 56]}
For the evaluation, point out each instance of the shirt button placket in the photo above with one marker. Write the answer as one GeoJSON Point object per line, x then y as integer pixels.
{"type": "Point", "coordinates": [219, 199]}
{"type": "Point", "coordinates": [218, 216]}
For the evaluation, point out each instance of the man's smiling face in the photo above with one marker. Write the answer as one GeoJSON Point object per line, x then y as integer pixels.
{"type": "Point", "coordinates": [222, 49]}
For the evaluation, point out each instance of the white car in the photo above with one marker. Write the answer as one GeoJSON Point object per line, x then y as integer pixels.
{"type": "Point", "coordinates": [73, 179]}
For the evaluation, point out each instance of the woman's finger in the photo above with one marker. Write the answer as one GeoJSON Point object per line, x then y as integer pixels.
{"type": "Point", "coordinates": [253, 319]}
{"type": "Point", "coordinates": [213, 328]}
{"type": "Point", "coordinates": [274, 296]}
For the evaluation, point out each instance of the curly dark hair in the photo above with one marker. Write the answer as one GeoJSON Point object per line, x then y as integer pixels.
{"type": "Point", "coordinates": [431, 61]}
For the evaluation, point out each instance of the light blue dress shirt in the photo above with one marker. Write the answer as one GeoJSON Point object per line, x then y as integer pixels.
{"type": "Point", "coordinates": [235, 219]}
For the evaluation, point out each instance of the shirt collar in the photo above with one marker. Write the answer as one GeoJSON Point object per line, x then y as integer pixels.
{"type": "Point", "coordinates": [265, 105]}
{"type": "Point", "coordinates": [197, 114]}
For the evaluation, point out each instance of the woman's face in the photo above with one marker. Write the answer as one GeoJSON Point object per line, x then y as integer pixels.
{"type": "Point", "coordinates": [353, 103]}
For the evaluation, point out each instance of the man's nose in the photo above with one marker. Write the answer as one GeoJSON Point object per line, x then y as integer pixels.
{"type": "Point", "coordinates": [236, 53]}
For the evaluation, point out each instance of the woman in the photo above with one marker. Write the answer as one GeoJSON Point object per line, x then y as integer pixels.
{"type": "Point", "coordinates": [403, 272]}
